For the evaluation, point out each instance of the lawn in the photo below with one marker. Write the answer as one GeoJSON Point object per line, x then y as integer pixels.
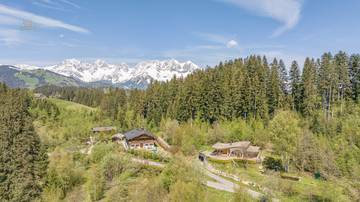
{"type": "Point", "coordinates": [287, 190]}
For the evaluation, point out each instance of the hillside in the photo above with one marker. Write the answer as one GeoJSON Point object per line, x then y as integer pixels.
{"type": "Point", "coordinates": [66, 134]}
{"type": "Point", "coordinates": [34, 78]}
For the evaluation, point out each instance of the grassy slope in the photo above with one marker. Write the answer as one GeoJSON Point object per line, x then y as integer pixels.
{"type": "Point", "coordinates": [69, 132]}
{"type": "Point", "coordinates": [71, 129]}
{"type": "Point", "coordinates": [284, 189]}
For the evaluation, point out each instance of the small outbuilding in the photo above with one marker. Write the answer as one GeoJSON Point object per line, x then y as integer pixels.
{"type": "Point", "coordinates": [103, 129]}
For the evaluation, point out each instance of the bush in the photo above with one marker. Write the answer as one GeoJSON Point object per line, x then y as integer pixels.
{"type": "Point", "coordinates": [100, 151]}
{"type": "Point", "coordinates": [273, 164]}
{"type": "Point", "coordinates": [113, 165]}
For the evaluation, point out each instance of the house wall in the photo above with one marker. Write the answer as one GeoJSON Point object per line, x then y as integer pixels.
{"type": "Point", "coordinates": [222, 151]}
{"type": "Point", "coordinates": [142, 143]}
{"type": "Point", "coordinates": [251, 154]}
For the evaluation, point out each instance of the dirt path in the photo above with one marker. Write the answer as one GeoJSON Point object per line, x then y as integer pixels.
{"type": "Point", "coordinates": [147, 162]}
{"type": "Point", "coordinates": [227, 185]}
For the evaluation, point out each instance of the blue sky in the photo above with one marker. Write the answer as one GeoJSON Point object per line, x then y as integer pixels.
{"type": "Point", "coordinates": [204, 31]}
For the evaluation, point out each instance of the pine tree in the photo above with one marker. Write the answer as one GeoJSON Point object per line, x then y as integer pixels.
{"type": "Point", "coordinates": [342, 70]}
{"type": "Point", "coordinates": [355, 76]}
{"type": "Point", "coordinates": [328, 83]}
{"type": "Point", "coordinates": [309, 90]}
{"type": "Point", "coordinates": [295, 86]}
{"type": "Point", "coordinates": [275, 93]}
{"type": "Point", "coordinates": [283, 77]}
{"type": "Point", "coordinates": [23, 160]}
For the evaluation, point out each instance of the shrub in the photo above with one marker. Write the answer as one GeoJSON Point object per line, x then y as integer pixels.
{"type": "Point", "coordinates": [113, 165]}
{"type": "Point", "coordinates": [99, 151]}
{"type": "Point", "coordinates": [273, 163]}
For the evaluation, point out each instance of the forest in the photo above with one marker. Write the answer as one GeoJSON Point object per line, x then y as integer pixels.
{"type": "Point", "coordinates": [307, 117]}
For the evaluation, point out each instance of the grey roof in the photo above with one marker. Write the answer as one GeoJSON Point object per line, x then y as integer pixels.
{"type": "Point", "coordinates": [136, 133]}
{"type": "Point", "coordinates": [241, 144]}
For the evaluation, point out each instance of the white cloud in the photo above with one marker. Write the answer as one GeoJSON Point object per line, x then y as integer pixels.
{"type": "Point", "coordinates": [70, 3]}
{"type": "Point", "coordinates": [61, 5]}
{"type": "Point", "coordinates": [285, 11]}
{"type": "Point", "coordinates": [232, 44]}
{"type": "Point", "coordinates": [10, 37]}
{"type": "Point", "coordinates": [219, 39]}
{"type": "Point", "coordinates": [6, 20]}
{"type": "Point", "coordinates": [41, 20]}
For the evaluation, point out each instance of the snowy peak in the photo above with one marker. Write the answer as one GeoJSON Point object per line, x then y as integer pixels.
{"type": "Point", "coordinates": [140, 74]}
{"type": "Point", "coordinates": [164, 70]}
{"type": "Point", "coordinates": [92, 72]}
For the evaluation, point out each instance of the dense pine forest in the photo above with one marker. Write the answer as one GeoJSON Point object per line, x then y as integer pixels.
{"type": "Point", "coordinates": [250, 88]}
{"type": "Point", "coordinates": [305, 118]}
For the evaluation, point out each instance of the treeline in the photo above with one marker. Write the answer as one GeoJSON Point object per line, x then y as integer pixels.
{"type": "Point", "coordinates": [240, 88]}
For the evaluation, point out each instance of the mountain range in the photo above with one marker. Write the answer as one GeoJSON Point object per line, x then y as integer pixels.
{"type": "Point", "coordinates": [73, 72]}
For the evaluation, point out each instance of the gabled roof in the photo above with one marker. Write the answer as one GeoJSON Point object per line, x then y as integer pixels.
{"type": "Point", "coordinates": [103, 129]}
{"type": "Point", "coordinates": [136, 133]}
{"type": "Point", "coordinates": [241, 144]}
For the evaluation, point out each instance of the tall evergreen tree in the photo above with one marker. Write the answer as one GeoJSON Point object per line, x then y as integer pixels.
{"type": "Point", "coordinates": [309, 90]}
{"type": "Point", "coordinates": [275, 93]}
{"type": "Point", "coordinates": [283, 77]}
{"type": "Point", "coordinates": [342, 70]}
{"type": "Point", "coordinates": [295, 86]}
{"type": "Point", "coordinates": [355, 76]}
{"type": "Point", "coordinates": [23, 160]}
{"type": "Point", "coordinates": [328, 82]}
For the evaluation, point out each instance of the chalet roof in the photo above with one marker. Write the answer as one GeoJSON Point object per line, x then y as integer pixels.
{"type": "Point", "coordinates": [241, 144]}
{"type": "Point", "coordinates": [253, 149]}
{"type": "Point", "coordinates": [103, 129]}
{"type": "Point", "coordinates": [136, 133]}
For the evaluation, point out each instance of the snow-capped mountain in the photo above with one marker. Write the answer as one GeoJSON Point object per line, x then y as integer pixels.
{"type": "Point", "coordinates": [92, 72]}
{"type": "Point", "coordinates": [139, 75]}
{"type": "Point", "coordinates": [163, 70]}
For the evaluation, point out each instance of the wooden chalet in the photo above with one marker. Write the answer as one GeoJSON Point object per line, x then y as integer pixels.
{"type": "Point", "coordinates": [242, 150]}
{"type": "Point", "coordinates": [142, 139]}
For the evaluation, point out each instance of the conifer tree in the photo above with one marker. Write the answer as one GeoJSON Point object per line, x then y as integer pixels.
{"type": "Point", "coordinates": [328, 83]}
{"type": "Point", "coordinates": [355, 76]}
{"type": "Point", "coordinates": [275, 93]}
{"type": "Point", "coordinates": [342, 70]}
{"type": "Point", "coordinates": [309, 91]}
{"type": "Point", "coordinates": [23, 160]}
{"type": "Point", "coordinates": [295, 86]}
{"type": "Point", "coordinates": [283, 77]}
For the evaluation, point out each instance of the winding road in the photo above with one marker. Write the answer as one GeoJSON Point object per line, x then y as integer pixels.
{"type": "Point", "coordinates": [217, 181]}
